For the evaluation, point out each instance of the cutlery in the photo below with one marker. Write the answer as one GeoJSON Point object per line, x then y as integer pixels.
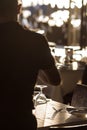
{"type": "Point", "coordinates": [56, 111]}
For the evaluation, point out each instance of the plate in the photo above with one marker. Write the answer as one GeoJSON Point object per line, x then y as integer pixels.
{"type": "Point", "coordinates": [78, 111]}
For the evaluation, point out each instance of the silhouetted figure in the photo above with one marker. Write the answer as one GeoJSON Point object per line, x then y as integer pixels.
{"type": "Point", "coordinates": [22, 54]}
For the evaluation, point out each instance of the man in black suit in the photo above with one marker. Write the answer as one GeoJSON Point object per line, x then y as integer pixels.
{"type": "Point", "coordinates": [22, 54]}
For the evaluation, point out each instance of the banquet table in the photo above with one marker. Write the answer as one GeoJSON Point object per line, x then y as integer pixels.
{"type": "Point", "coordinates": [55, 113]}
{"type": "Point", "coordinates": [70, 76]}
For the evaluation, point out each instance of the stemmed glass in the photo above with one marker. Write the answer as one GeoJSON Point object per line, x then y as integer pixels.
{"type": "Point", "coordinates": [40, 98]}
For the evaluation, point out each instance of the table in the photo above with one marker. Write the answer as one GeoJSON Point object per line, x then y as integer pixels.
{"type": "Point", "coordinates": [48, 116]}
{"type": "Point", "coordinates": [71, 73]}
{"type": "Point", "coordinates": [70, 78]}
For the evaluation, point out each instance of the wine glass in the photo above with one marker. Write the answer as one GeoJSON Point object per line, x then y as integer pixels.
{"type": "Point", "coordinates": [40, 97]}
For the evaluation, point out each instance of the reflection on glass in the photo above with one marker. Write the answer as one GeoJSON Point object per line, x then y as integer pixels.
{"type": "Point", "coordinates": [40, 98]}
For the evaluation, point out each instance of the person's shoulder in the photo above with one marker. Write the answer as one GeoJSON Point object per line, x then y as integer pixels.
{"type": "Point", "coordinates": [34, 34]}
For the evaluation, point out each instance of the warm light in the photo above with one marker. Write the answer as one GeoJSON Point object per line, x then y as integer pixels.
{"type": "Point", "coordinates": [84, 53]}
{"type": "Point", "coordinates": [77, 57]}
{"type": "Point", "coordinates": [26, 13]}
{"type": "Point", "coordinates": [72, 5]}
{"type": "Point", "coordinates": [26, 3]}
{"type": "Point", "coordinates": [60, 3]}
{"type": "Point", "coordinates": [35, 2]}
{"type": "Point", "coordinates": [85, 2]}
{"type": "Point", "coordinates": [40, 2]}
{"type": "Point", "coordinates": [60, 17]}
{"type": "Point", "coordinates": [46, 2]}
{"type": "Point", "coordinates": [77, 3]}
{"type": "Point", "coordinates": [76, 22]}
{"type": "Point", "coordinates": [51, 22]}
{"type": "Point", "coordinates": [74, 65]}
{"type": "Point", "coordinates": [65, 15]}
{"type": "Point", "coordinates": [40, 31]}
{"type": "Point", "coordinates": [52, 2]}
{"type": "Point", "coordinates": [59, 23]}
{"type": "Point", "coordinates": [85, 115]}
{"type": "Point", "coordinates": [40, 18]}
{"type": "Point", "coordinates": [60, 52]}
{"type": "Point", "coordinates": [66, 4]}
{"type": "Point", "coordinates": [45, 19]}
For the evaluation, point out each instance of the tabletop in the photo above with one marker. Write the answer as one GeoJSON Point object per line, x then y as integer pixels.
{"type": "Point", "coordinates": [55, 113]}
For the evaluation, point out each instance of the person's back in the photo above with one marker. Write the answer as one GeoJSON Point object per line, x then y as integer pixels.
{"type": "Point", "coordinates": [17, 70]}
{"type": "Point", "coordinates": [22, 54]}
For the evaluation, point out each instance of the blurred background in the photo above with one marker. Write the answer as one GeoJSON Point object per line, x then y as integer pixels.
{"type": "Point", "coordinates": [64, 22]}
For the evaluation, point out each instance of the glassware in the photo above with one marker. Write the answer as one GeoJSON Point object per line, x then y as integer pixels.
{"type": "Point", "coordinates": [40, 98]}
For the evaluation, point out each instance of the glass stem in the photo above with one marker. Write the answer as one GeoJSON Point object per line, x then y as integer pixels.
{"type": "Point", "coordinates": [41, 90]}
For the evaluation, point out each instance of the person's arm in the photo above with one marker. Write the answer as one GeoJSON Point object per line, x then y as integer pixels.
{"type": "Point", "coordinates": [49, 74]}
{"type": "Point", "coordinates": [53, 76]}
